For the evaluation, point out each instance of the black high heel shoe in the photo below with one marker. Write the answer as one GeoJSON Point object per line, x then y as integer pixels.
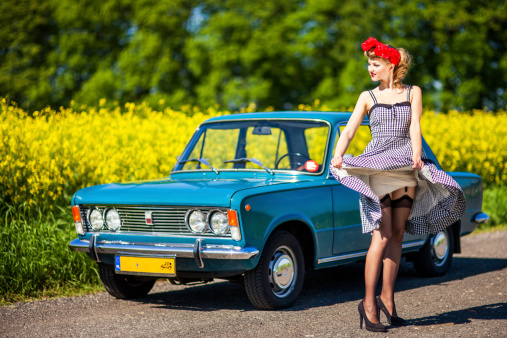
{"type": "Point", "coordinates": [396, 321]}
{"type": "Point", "coordinates": [375, 327]}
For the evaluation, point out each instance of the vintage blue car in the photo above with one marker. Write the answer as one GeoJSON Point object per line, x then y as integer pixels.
{"type": "Point", "coordinates": [250, 199]}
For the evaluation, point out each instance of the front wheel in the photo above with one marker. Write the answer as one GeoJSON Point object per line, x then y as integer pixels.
{"type": "Point", "coordinates": [124, 286]}
{"type": "Point", "coordinates": [435, 257]}
{"type": "Point", "coordinates": [277, 280]}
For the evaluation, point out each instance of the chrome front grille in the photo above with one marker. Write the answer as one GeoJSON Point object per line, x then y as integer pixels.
{"type": "Point", "coordinates": [169, 220]}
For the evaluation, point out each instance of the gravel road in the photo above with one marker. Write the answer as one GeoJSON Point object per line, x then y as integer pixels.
{"type": "Point", "coordinates": [469, 301]}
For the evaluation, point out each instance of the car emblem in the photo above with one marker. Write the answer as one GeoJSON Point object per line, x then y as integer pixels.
{"type": "Point", "coordinates": [148, 217]}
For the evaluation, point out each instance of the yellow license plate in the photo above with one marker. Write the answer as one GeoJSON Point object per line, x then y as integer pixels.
{"type": "Point", "coordinates": [145, 265]}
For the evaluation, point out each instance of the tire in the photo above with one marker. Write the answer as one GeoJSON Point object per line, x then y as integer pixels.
{"type": "Point", "coordinates": [124, 286]}
{"type": "Point", "coordinates": [435, 257]}
{"type": "Point", "coordinates": [270, 291]}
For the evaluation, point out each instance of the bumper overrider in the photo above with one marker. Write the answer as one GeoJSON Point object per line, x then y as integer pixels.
{"type": "Point", "coordinates": [198, 250]}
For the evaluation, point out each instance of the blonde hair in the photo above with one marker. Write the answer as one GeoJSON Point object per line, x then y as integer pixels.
{"type": "Point", "coordinates": [400, 70]}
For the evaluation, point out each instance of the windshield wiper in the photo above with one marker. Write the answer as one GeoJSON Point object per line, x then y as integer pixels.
{"type": "Point", "coordinates": [202, 161]}
{"type": "Point", "coordinates": [253, 160]}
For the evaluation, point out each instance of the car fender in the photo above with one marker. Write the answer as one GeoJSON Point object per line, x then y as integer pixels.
{"type": "Point", "coordinates": [310, 204]}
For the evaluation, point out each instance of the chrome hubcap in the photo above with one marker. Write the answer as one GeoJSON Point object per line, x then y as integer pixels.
{"type": "Point", "coordinates": [282, 272]}
{"type": "Point", "coordinates": [440, 244]}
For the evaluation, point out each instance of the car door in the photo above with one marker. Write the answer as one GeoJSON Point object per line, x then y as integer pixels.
{"type": "Point", "coordinates": [348, 235]}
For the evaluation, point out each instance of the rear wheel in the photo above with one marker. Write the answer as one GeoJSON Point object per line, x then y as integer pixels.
{"type": "Point", "coordinates": [277, 280]}
{"type": "Point", "coordinates": [435, 257]}
{"type": "Point", "coordinates": [124, 286]}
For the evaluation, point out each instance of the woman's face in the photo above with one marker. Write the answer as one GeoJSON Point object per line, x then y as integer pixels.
{"type": "Point", "coordinates": [379, 69]}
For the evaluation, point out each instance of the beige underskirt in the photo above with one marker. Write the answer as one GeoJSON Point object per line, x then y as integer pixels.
{"type": "Point", "coordinates": [382, 183]}
{"type": "Point", "coordinates": [385, 181]}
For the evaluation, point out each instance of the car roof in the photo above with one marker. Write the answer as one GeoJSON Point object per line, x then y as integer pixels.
{"type": "Point", "coordinates": [331, 116]}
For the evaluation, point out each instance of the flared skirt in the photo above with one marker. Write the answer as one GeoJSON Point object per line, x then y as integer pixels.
{"type": "Point", "coordinates": [439, 200]}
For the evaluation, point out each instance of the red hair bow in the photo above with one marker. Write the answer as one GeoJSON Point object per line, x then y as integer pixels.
{"type": "Point", "coordinates": [382, 50]}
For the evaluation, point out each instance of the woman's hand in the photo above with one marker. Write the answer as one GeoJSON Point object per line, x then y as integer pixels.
{"type": "Point", "coordinates": [418, 163]}
{"type": "Point", "coordinates": [337, 161]}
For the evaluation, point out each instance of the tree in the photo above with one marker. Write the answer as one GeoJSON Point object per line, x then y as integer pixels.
{"type": "Point", "coordinates": [232, 52]}
{"type": "Point", "coordinates": [27, 35]}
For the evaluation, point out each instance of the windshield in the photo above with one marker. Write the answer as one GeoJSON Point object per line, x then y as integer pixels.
{"type": "Point", "coordinates": [268, 145]}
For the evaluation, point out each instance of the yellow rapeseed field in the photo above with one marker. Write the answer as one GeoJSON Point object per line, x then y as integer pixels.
{"type": "Point", "coordinates": [46, 157]}
{"type": "Point", "coordinates": [475, 141]}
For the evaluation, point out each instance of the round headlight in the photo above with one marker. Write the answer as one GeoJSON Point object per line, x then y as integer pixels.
{"type": "Point", "coordinates": [196, 221]}
{"type": "Point", "coordinates": [113, 221]}
{"type": "Point", "coordinates": [96, 219]}
{"type": "Point", "coordinates": [219, 223]}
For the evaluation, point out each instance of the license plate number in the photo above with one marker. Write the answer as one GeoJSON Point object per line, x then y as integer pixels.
{"type": "Point", "coordinates": [145, 265]}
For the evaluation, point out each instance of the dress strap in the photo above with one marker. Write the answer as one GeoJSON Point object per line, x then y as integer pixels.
{"type": "Point", "coordinates": [373, 97]}
{"type": "Point", "coordinates": [408, 93]}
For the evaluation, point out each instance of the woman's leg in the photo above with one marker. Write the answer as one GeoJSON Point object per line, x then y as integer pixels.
{"type": "Point", "coordinates": [400, 210]}
{"type": "Point", "coordinates": [374, 257]}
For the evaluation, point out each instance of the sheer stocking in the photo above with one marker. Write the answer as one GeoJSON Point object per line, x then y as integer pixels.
{"type": "Point", "coordinates": [385, 248]}
{"type": "Point", "coordinates": [385, 202]}
{"type": "Point", "coordinates": [400, 211]}
{"type": "Point", "coordinates": [376, 252]}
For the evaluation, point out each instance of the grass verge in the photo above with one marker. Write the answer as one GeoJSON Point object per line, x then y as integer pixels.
{"type": "Point", "coordinates": [495, 205]}
{"type": "Point", "coordinates": [35, 260]}
{"type": "Point", "coordinates": [486, 228]}
{"type": "Point", "coordinates": [70, 290]}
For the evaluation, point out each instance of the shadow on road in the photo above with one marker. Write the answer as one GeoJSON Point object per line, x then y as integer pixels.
{"type": "Point", "coordinates": [491, 311]}
{"type": "Point", "coordinates": [328, 287]}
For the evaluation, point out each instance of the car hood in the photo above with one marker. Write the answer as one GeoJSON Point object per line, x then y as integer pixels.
{"type": "Point", "coordinates": [215, 192]}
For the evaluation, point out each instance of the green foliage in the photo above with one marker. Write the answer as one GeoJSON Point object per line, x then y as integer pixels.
{"type": "Point", "coordinates": [495, 205]}
{"type": "Point", "coordinates": [35, 257]}
{"type": "Point", "coordinates": [26, 32]}
{"type": "Point", "coordinates": [232, 52]}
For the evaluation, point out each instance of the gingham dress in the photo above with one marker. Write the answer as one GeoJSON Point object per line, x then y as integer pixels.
{"type": "Point", "coordinates": [439, 200]}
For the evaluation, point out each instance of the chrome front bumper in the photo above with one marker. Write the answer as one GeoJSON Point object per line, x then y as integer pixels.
{"type": "Point", "coordinates": [197, 251]}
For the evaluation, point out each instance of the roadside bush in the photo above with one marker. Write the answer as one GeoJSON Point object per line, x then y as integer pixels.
{"type": "Point", "coordinates": [474, 141]}
{"type": "Point", "coordinates": [34, 255]}
{"type": "Point", "coordinates": [495, 205]}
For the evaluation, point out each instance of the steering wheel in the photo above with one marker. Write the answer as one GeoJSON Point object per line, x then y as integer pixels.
{"type": "Point", "coordinates": [296, 162]}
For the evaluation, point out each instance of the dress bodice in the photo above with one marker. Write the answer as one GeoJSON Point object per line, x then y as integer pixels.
{"type": "Point", "coordinates": [388, 120]}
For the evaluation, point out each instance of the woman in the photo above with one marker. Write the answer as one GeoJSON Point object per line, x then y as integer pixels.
{"type": "Point", "coordinates": [400, 188]}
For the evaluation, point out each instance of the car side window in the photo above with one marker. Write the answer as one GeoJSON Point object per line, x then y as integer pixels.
{"type": "Point", "coordinates": [316, 141]}
{"type": "Point", "coordinates": [359, 142]}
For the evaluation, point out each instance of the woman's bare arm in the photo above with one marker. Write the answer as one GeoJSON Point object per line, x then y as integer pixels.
{"type": "Point", "coordinates": [415, 127]}
{"type": "Point", "coordinates": [350, 129]}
